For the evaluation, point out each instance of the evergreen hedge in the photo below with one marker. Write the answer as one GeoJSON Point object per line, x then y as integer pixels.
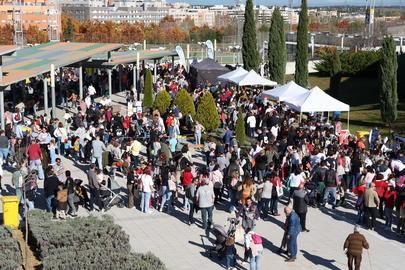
{"type": "Point", "coordinates": [162, 101]}
{"type": "Point", "coordinates": [207, 113]}
{"type": "Point", "coordinates": [240, 129]}
{"type": "Point", "coordinates": [85, 243]}
{"type": "Point", "coordinates": [10, 253]}
{"type": "Point", "coordinates": [184, 102]}
{"type": "Point", "coordinates": [148, 90]}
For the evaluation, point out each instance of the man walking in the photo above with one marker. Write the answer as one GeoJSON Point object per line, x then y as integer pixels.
{"type": "Point", "coordinates": [293, 229]}
{"type": "Point", "coordinates": [371, 202]}
{"type": "Point", "coordinates": [35, 156]}
{"type": "Point", "coordinates": [353, 247]}
{"type": "Point", "coordinates": [331, 183]}
{"type": "Point", "coordinates": [94, 188]}
{"type": "Point", "coordinates": [98, 149]}
{"type": "Point", "coordinates": [205, 199]}
{"type": "Point", "coordinates": [300, 205]}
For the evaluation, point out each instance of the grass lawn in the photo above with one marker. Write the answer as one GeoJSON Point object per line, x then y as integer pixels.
{"type": "Point", "coordinates": [362, 94]}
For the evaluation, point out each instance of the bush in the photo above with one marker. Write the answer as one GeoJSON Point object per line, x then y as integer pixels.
{"type": "Point", "coordinates": [207, 113]}
{"type": "Point", "coordinates": [162, 101]}
{"type": "Point", "coordinates": [148, 90]}
{"type": "Point", "coordinates": [361, 63]}
{"type": "Point", "coordinates": [85, 243]}
{"type": "Point", "coordinates": [185, 102]}
{"type": "Point", "coordinates": [10, 255]}
{"type": "Point", "coordinates": [240, 129]}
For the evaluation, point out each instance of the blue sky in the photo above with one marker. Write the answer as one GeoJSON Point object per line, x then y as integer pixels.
{"type": "Point", "coordinates": [296, 2]}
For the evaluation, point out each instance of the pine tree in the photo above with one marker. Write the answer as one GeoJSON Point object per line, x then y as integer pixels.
{"type": "Point", "coordinates": [240, 129]}
{"type": "Point", "coordinates": [388, 81]}
{"type": "Point", "coordinates": [162, 101]}
{"type": "Point", "coordinates": [250, 55]}
{"type": "Point", "coordinates": [207, 113]}
{"type": "Point", "coordinates": [335, 73]}
{"type": "Point", "coordinates": [301, 56]}
{"type": "Point", "coordinates": [148, 90]}
{"type": "Point", "coordinates": [277, 51]}
{"type": "Point", "coordinates": [185, 102]}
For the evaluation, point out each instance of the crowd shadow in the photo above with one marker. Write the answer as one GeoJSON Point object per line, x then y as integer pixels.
{"type": "Point", "coordinates": [319, 261]}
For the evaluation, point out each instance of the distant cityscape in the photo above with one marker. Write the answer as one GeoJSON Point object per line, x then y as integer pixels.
{"type": "Point", "coordinates": [46, 14]}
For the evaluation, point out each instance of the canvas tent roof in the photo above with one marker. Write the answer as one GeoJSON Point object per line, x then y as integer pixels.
{"type": "Point", "coordinates": [206, 70]}
{"type": "Point", "coordinates": [208, 64]}
{"type": "Point", "coordinates": [233, 74]}
{"type": "Point", "coordinates": [285, 91]}
{"type": "Point", "coordinates": [252, 78]}
{"type": "Point", "coordinates": [316, 100]}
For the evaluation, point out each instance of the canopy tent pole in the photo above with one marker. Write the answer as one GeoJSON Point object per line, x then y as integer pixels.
{"type": "Point", "coordinates": [80, 82]}
{"type": "Point", "coordinates": [137, 85]}
{"type": "Point", "coordinates": [300, 117]}
{"type": "Point", "coordinates": [134, 78]}
{"type": "Point", "coordinates": [119, 79]}
{"type": "Point", "coordinates": [173, 64]}
{"type": "Point", "coordinates": [53, 91]}
{"type": "Point", "coordinates": [327, 119]}
{"type": "Point", "coordinates": [154, 71]}
{"type": "Point", "coordinates": [109, 72]}
{"type": "Point", "coordinates": [45, 95]}
{"type": "Point", "coordinates": [348, 121]}
{"type": "Point", "coordinates": [2, 108]}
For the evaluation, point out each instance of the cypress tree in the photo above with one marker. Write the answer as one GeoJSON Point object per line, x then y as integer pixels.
{"type": "Point", "coordinates": [185, 102]}
{"type": "Point", "coordinates": [148, 90]}
{"type": "Point", "coordinates": [301, 56]}
{"type": "Point", "coordinates": [250, 55]}
{"type": "Point", "coordinates": [388, 82]}
{"type": "Point", "coordinates": [335, 73]}
{"type": "Point", "coordinates": [162, 101]}
{"type": "Point", "coordinates": [240, 129]}
{"type": "Point", "coordinates": [68, 32]}
{"type": "Point", "coordinates": [277, 51]}
{"type": "Point", "coordinates": [207, 113]}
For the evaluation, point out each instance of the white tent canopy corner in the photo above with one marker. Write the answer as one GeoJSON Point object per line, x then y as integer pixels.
{"type": "Point", "coordinates": [252, 78]}
{"type": "Point", "coordinates": [233, 74]}
{"type": "Point", "coordinates": [285, 92]}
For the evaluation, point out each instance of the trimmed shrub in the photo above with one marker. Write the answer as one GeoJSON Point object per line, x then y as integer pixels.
{"type": "Point", "coordinates": [240, 129]}
{"type": "Point", "coordinates": [207, 113]}
{"type": "Point", "coordinates": [162, 101]}
{"type": "Point", "coordinates": [10, 255]}
{"type": "Point", "coordinates": [185, 102]}
{"type": "Point", "coordinates": [148, 90]}
{"type": "Point", "coordinates": [85, 243]}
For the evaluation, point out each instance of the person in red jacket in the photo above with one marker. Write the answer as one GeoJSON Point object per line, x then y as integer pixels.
{"type": "Point", "coordinates": [187, 179]}
{"type": "Point", "coordinates": [380, 188]}
{"type": "Point", "coordinates": [390, 196]}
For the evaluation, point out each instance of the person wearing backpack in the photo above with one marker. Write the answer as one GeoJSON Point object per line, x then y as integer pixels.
{"type": "Point", "coordinates": [254, 246]}
{"type": "Point", "coordinates": [331, 183]}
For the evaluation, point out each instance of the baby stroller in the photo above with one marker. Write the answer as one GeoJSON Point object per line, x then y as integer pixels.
{"type": "Point", "coordinates": [313, 194]}
{"type": "Point", "coordinates": [220, 236]}
{"type": "Point", "coordinates": [110, 196]}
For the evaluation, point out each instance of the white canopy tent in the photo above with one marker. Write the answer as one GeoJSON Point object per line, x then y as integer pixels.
{"type": "Point", "coordinates": [252, 78]}
{"type": "Point", "coordinates": [285, 92]}
{"type": "Point", "coordinates": [316, 100]}
{"type": "Point", "coordinates": [233, 74]}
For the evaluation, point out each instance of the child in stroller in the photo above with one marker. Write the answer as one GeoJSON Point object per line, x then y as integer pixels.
{"type": "Point", "coordinates": [221, 235]}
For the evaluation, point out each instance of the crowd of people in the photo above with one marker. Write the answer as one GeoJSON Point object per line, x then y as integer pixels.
{"type": "Point", "coordinates": [304, 163]}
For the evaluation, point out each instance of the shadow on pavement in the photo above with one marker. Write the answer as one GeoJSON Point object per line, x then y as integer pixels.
{"type": "Point", "coordinates": [316, 260]}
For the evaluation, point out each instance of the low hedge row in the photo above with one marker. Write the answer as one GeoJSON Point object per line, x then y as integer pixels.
{"type": "Point", "coordinates": [85, 243]}
{"type": "Point", "coordinates": [10, 253]}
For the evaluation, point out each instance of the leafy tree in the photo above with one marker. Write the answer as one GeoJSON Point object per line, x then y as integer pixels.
{"type": "Point", "coordinates": [148, 90]}
{"type": "Point", "coordinates": [68, 32]}
{"type": "Point", "coordinates": [301, 57]}
{"type": "Point", "coordinates": [388, 80]}
{"type": "Point", "coordinates": [185, 103]}
{"type": "Point", "coordinates": [162, 101]}
{"type": "Point", "coordinates": [207, 113]}
{"type": "Point", "coordinates": [250, 55]}
{"type": "Point", "coordinates": [335, 74]}
{"type": "Point", "coordinates": [240, 128]}
{"type": "Point", "coordinates": [277, 51]}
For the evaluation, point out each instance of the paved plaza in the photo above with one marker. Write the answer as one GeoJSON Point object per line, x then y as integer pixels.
{"type": "Point", "coordinates": [183, 247]}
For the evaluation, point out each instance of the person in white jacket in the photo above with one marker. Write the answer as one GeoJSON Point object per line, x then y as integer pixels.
{"type": "Point", "coordinates": [61, 134]}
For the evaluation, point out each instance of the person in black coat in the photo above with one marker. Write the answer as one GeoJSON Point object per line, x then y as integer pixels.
{"type": "Point", "coordinates": [50, 188]}
{"type": "Point", "coordinates": [300, 205]}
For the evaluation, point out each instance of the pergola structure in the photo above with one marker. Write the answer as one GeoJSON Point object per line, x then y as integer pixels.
{"type": "Point", "coordinates": [18, 65]}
